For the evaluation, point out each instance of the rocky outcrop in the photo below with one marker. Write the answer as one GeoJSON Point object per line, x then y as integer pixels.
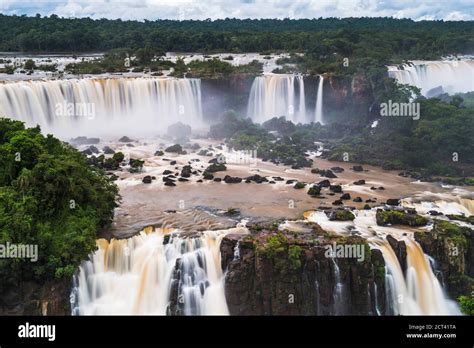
{"type": "Point", "coordinates": [452, 247]}
{"type": "Point", "coordinates": [289, 273]}
{"type": "Point", "coordinates": [30, 298]}
{"type": "Point", "coordinates": [407, 217]}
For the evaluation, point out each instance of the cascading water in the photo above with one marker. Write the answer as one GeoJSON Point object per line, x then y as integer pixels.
{"type": "Point", "coordinates": [338, 295]}
{"type": "Point", "coordinates": [419, 292]}
{"type": "Point", "coordinates": [275, 95]}
{"type": "Point", "coordinates": [318, 117]}
{"type": "Point", "coordinates": [415, 291]}
{"type": "Point", "coordinates": [145, 273]}
{"type": "Point", "coordinates": [454, 76]}
{"type": "Point", "coordinates": [102, 106]}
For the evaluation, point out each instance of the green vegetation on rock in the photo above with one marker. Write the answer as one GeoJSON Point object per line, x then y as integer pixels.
{"type": "Point", "coordinates": [396, 217]}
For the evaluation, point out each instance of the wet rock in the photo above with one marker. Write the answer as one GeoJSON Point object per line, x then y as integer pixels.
{"type": "Point", "coordinates": [125, 139]}
{"type": "Point", "coordinates": [232, 179]}
{"type": "Point", "coordinates": [328, 174]}
{"type": "Point", "coordinates": [290, 181]}
{"type": "Point", "coordinates": [393, 201]}
{"type": "Point", "coordinates": [337, 169]}
{"type": "Point", "coordinates": [324, 183]}
{"type": "Point", "coordinates": [340, 215]}
{"type": "Point", "coordinates": [337, 202]}
{"type": "Point", "coordinates": [173, 163]}
{"type": "Point", "coordinates": [217, 179]}
{"type": "Point", "coordinates": [170, 183]}
{"type": "Point", "coordinates": [336, 188]}
{"type": "Point", "coordinates": [367, 207]}
{"type": "Point", "coordinates": [94, 149]}
{"type": "Point", "coordinates": [159, 153]}
{"type": "Point", "coordinates": [257, 178]}
{"type": "Point", "coordinates": [108, 150]}
{"type": "Point", "coordinates": [207, 176]}
{"type": "Point", "coordinates": [400, 249]}
{"type": "Point", "coordinates": [299, 185]}
{"type": "Point", "coordinates": [357, 199]}
{"type": "Point", "coordinates": [176, 148]}
{"type": "Point", "coordinates": [314, 191]}
{"type": "Point", "coordinates": [359, 182]}
{"type": "Point", "coordinates": [345, 196]}
{"type": "Point", "coordinates": [147, 179]}
{"type": "Point", "coordinates": [216, 167]}
{"type": "Point", "coordinates": [84, 141]}
{"type": "Point", "coordinates": [87, 152]}
{"type": "Point", "coordinates": [167, 172]}
{"type": "Point", "coordinates": [183, 179]}
{"type": "Point", "coordinates": [397, 217]}
{"type": "Point", "coordinates": [186, 171]}
{"type": "Point", "coordinates": [357, 168]}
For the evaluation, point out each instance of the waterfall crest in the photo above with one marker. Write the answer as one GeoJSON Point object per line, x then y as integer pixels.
{"type": "Point", "coordinates": [275, 95]}
{"type": "Point", "coordinates": [97, 106]}
{"type": "Point", "coordinates": [436, 77]}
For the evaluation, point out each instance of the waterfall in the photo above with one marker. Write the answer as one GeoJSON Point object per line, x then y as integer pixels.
{"type": "Point", "coordinates": [338, 296]}
{"type": "Point", "coordinates": [415, 291]}
{"type": "Point", "coordinates": [436, 77]}
{"type": "Point", "coordinates": [319, 102]}
{"type": "Point", "coordinates": [275, 95]}
{"type": "Point", "coordinates": [418, 291]}
{"type": "Point", "coordinates": [146, 273]}
{"type": "Point", "coordinates": [103, 106]}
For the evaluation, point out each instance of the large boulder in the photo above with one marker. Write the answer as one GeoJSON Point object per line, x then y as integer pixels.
{"type": "Point", "coordinates": [186, 171]}
{"type": "Point", "coordinates": [399, 217]}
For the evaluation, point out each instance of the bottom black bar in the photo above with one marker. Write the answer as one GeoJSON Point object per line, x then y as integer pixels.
{"type": "Point", "coordinates": [135, 331]}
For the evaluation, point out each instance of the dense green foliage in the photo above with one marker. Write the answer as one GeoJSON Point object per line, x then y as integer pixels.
{"type": "Point", "coordinates": [284, 255]}
{"type": "Point", "coordinates": [348, 36]}
{"type": "Point", "coordinates": [439, 143]}
{"type": "Point", "coordinates": [467, 304]}
{"type": "Point", "coordinates": [51, 198]}
{"type": "Point", "coordinates": [288, 147]}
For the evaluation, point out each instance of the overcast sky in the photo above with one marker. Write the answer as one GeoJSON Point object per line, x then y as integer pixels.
{"type": "Point", "coordinates": [202, 9]}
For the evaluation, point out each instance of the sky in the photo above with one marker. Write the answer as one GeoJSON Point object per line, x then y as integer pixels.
{"type": "Point", "coordinates": [214, 9]}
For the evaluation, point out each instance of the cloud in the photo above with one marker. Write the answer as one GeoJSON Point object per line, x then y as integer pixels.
{"type": "Point", "coordinates": [196, 9]}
